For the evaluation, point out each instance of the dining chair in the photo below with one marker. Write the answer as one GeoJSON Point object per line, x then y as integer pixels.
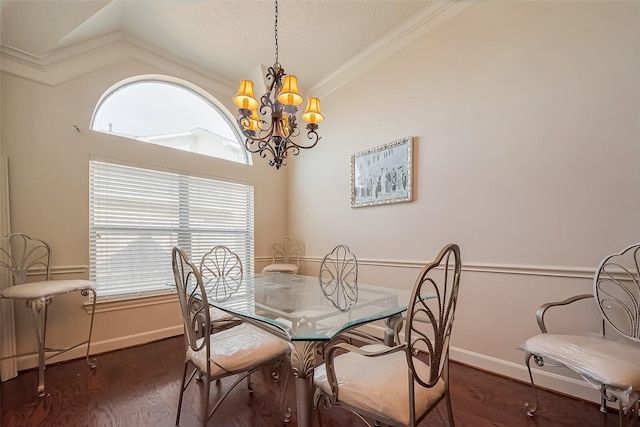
{"type": "Point", "coordinates": [222, 273]}
{"type": "Point", "coordinates": [239, 351]}
{"type": "Point", "coordinates": [609, 363]}
{"type": "Point", "coordinates": [285, 257]}
{"type": "Point", "coordinates": [22, 256]}
{"type": "Point", "coordinates": [339, 277]}
{"type": "Point", "coordinates": [399, 385]}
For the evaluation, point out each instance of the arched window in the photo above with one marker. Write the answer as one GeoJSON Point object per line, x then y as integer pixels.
{"type": "Point", "coordinates": [171, 113]}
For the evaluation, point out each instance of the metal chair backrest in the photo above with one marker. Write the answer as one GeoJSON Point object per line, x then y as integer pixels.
{"type": "Point", "coordinates": [430, 319]}
{"type": "Point", "coordinates": [287, 252]}
{"type": "Point", "coordinates": [19, 253]}
{"type": "Point", "coordinates": [616, 288]}
{"type": "Point", "coordinates": [221, 271]}
{"type": "Point", "coordinates": [339, 277]}
{"type": "Point", "coordinates": [193, 301]}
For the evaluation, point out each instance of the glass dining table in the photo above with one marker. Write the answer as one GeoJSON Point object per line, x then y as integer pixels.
{"type": "Point", "coordinates": [297, 309]}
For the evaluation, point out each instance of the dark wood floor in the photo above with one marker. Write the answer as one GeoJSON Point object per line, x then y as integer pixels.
{"type": "Point", "coordinates": [139, 387]}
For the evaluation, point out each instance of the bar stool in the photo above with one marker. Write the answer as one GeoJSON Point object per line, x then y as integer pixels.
{"type": "Point", "coordinates": [285, 257]}
{"type": "Point", "coordinates": [19, 253]}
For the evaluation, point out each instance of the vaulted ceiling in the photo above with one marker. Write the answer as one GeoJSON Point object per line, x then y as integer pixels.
{"type": "Point", "coordinates": [318, 40]}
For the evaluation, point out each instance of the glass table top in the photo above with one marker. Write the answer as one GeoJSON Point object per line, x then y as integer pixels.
{"type": "Point", "coordinates": [298, 307]}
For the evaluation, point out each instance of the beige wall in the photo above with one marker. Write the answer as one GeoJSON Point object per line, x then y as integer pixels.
{"type": "Point", "coordinates": [525, 118]}
{"type": "Point", "coordinates": [525, 123]}
{"type": "Point", "coordinates": [49, 162]}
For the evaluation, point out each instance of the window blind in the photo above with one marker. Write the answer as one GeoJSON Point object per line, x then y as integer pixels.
{"type": "Point", "coordinates": [136, 217]}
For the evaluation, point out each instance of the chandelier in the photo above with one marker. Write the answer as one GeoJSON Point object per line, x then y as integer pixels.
{"type": "Point", "coordinates": [274, 136]}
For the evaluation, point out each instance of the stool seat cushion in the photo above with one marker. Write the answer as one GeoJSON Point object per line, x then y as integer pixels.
{"type": "Point", "coordinates": [597, 359]}
{"type": "Point", "coordinates": [283, 268]}
{"type": "Point", "coordinates": [46, 288]}
{"type": "Point", "coordinates": [609, 362]}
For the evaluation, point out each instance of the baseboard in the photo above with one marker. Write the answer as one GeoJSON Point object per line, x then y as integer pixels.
{"type": "Point", "coordinates": [30, 361]}
{"type": "Point", "coordinates": [543, 378]}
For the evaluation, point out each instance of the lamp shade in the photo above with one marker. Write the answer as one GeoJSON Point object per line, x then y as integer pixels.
{"type": "Point", "coordinates": [289, 94]}
{"type": "Point", "coordinates": [312, 114]}
{"type": "Point", "coordinates": [245, 97]}
{"type": "Point", "coordinates": [254, 121]}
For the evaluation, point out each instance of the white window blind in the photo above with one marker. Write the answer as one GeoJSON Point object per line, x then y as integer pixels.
{"type": "Point", "coordinates": [136, 217]}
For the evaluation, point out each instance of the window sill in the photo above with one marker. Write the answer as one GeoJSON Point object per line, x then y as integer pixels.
{"type": "Point", "coordinates": [131, 303]}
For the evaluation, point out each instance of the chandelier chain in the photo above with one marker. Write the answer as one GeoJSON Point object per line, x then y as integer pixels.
{"type": "Point", "coordinates": [276, 29]}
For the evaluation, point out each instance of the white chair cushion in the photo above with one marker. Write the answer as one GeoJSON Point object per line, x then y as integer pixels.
{"type": "Point", "coordinates": [46, 288]}
{"type": "Point", "coordinates": [282, 268]}
{"type": "Point", "coordinates": [606, 361]}
{"type": "Point", "coordinates": [217, 314]}
{"type": "Point", "coordinates": [239, 348]}
{"type": "Point", "coordinates": [379, 385]}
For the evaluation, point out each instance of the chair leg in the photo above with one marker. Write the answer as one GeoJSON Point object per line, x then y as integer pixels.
{"type": "Point", "coordinates": [205, 403]}
{"type": "Point", "coordinates": [182, 385]}
{"type": "Point", "coordinates": [631, 414]}
{"type": "Point", "coordinates": [531, 409]}
{"type": "Point", "coordinates": [39, 309]}
{"type": "Point", "coordinates": [447, 393]}
{"type": "Point", "coordinates": [90, 361]}
{"type": "Point", "coordinates": [249, 383]}
{"type": "Point", "coordinates": [621, 414]}
{"type": "Point", "coordinates": [449, 408]}
{"type": "Point", "coordinates": [603, 400]}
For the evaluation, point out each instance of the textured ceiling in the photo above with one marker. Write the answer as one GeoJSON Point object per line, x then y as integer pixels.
{"type": "Point", "coordinates": [230, 38]}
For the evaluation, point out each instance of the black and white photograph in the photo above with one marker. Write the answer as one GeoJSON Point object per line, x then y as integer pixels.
{"type": "Point", "coordinates": [382, 174]}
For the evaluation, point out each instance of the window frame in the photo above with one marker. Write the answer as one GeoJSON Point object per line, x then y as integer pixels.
{"type": "Point", "coordinates": [187, 236]}
{"type": "Point", "coordinates": [183, 84]}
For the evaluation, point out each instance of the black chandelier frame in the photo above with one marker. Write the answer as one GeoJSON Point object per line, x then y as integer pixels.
{"type": "Point", "coordinates": [274, 139]}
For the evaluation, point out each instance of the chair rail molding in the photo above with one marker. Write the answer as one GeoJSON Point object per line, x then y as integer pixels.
{"type": "Point", "coordinates": [519, 269]}
{"type": "Point", "coordinates": [61, 269]}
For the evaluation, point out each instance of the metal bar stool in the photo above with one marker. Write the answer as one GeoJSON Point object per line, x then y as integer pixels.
{"type": "Point", "coordinates": [19, 253]}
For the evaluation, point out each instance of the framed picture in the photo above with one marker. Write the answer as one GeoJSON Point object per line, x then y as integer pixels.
{"type": "Point", "coordinates": [382, 174]}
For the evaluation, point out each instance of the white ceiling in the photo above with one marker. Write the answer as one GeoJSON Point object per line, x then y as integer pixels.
{"type": "Point", "coordinates": [231, 38]}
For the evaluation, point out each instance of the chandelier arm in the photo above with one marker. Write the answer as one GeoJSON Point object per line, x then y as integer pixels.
{"type": "Point", "coordinates": [256, 138]}
{"type": "Point", "coordinates": [261, 149]}
{"type": "Point", "coordinates": [295, 150]}
{"type": "Point", "coordinates": [294, 133]}
{"type": "Point", "coordinates": [312, 135]}
{"type": "Point", "coordinates": [266, 103]}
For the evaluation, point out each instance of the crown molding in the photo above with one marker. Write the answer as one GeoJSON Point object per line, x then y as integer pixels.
{"type": "Point", "coordinates": [70, 62]}
{"type": "Point", "coordinates": [423, 22]}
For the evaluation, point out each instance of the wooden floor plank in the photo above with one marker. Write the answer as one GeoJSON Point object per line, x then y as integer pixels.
{"type": "Point", "coordinates": [139, 386]}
